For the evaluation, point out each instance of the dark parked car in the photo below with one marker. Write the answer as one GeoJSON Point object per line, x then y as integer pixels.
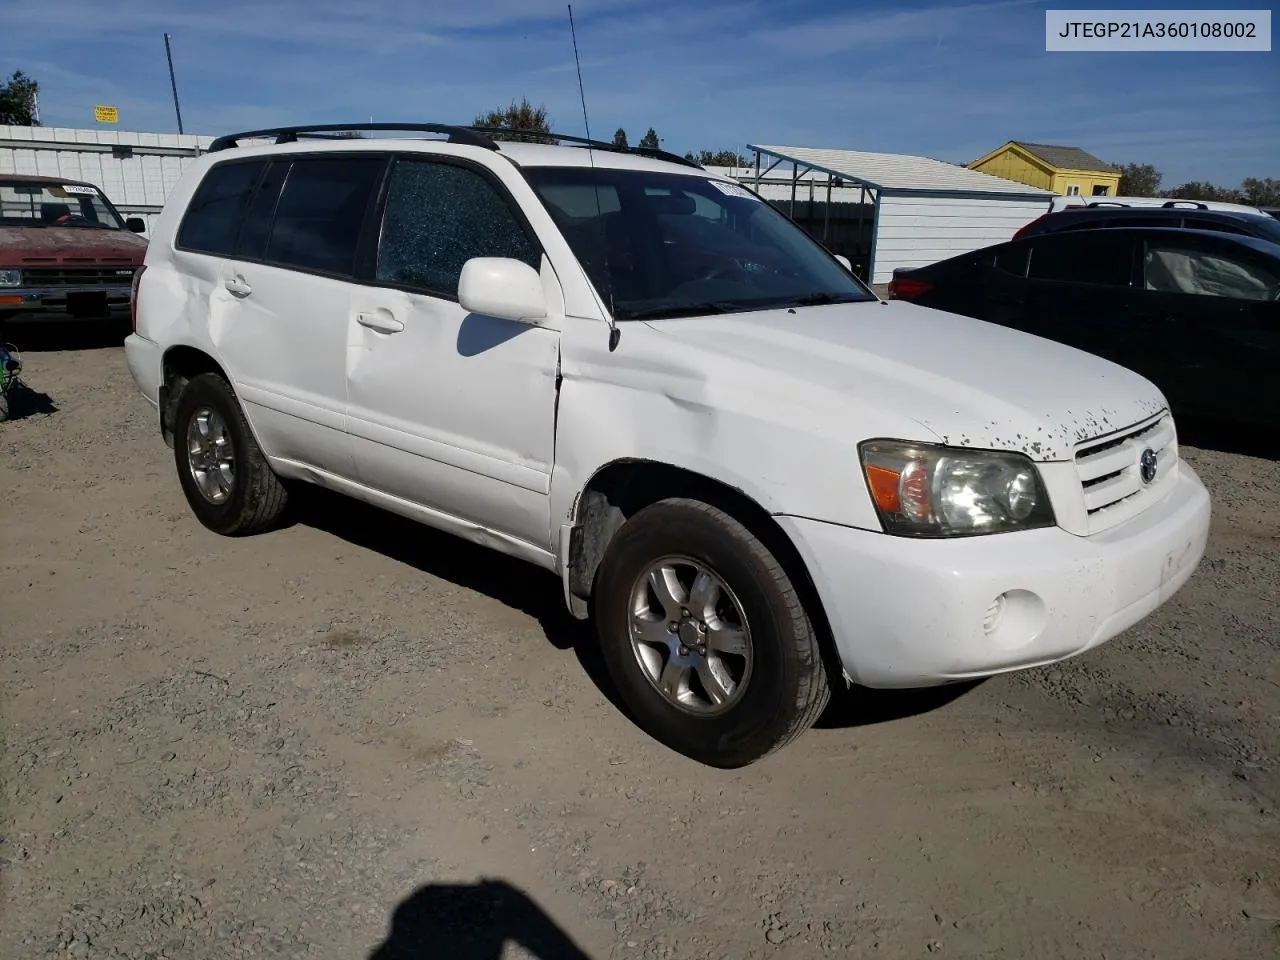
{"type": "Point", "coordinates": [1197, 312]}
{"type": "Point", "coordinates": [1090, 218]}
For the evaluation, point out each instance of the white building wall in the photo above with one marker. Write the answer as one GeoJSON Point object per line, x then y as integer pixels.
{"type": "Point", "coordinates": [137, 183]}
{"type": "Point", "coordinates": [917, 230]}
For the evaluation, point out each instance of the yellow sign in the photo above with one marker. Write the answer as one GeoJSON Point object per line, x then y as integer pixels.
{"type": "Point", "coordinates": [106, 114]}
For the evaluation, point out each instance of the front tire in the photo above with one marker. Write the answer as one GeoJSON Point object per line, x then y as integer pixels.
{"type": "Point", "coordinates": [705, 636]}
{"type": "Point", "coordinates": [225, 476]}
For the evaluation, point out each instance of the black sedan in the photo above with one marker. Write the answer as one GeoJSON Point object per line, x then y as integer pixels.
{"type": "Point", "coordinates": [1196, 312]}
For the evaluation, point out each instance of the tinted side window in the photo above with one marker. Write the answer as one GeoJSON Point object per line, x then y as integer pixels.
{"type": "Point", "coordinates": [1012, 259]}
{"type": "Point", "coordinates": [252, 244]}
{"type": "Point", "coordinates": [1173, 267]}
{"type": "Point", "coordinates": [320, 213]}
{"type": "Point", "coordinates": [1087, 256]}
{"type": "Point", "coordinates": [213, 217]}
{"type": "Point", "coordinates": [438, 217]}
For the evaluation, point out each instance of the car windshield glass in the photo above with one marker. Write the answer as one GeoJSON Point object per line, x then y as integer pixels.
{"type": "Point", "coordinates": [39, 204]}
{"type": "Point", "coordinates": [659, 244]}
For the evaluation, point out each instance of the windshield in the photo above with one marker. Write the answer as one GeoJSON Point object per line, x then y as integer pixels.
{"type": "Point", "coordinates": [659, 244]}
{"type": "Point", "coordinates": [55, 205]}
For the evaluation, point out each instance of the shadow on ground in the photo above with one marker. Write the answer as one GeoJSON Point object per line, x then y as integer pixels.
{"type": "Point", "coordinates": [24, 402]}
{"type": "Point", "coordinates": [864, 707]}
{"type": "Point", "coordinates": [539, 594]}
{"type": "Point", "coordinates": [57, 332]}
{"type": "Point", "coordinates": [473, 922]}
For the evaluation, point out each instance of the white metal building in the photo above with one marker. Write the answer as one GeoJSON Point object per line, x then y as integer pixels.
{"type": "Point", "coordinates": [135, 170]}
{"type": "Point", "coordinates": [924, 210]}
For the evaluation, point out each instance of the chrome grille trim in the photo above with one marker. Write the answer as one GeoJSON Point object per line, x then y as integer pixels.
{"type": "Point", "coordinates": [77, 276]}
{"type": "Point", "coordinates": [1110, 474]}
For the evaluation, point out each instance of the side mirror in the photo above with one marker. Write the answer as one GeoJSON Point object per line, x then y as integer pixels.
{"type": "Point", "coordinates": [136, 225]}
{"type": "Point", "coordinates": [844, 262]}
{"type": "Point", "coordinates": [503, 288]}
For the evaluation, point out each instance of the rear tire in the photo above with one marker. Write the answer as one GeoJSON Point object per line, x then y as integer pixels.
{"type": "Point", "coordinates": [226, 478]}
{"type": "Point", "coordinates": [724, 681]}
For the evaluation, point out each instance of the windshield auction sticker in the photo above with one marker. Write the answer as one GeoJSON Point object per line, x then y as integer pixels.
{"type": "Point", "coordinates": [77, 189]}
{"type": "Point", "coordinates": [732, 189]}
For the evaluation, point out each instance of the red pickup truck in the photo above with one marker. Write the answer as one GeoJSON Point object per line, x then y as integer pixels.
{"type": "Point", "coordinates": [64, 249]}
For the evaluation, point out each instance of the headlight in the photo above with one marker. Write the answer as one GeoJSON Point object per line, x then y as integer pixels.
{"type": "Point", "coordinates": [10, 278]}
{"type": "Point", "coordinates": [922, 490]}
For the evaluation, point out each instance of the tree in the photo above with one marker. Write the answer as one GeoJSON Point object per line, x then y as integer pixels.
{"type": "Point", "coordinates": [1138, 180]}
{"type": "Point", "coordinates": [1261, 193]}
{"type": "Point", "coordinates": [620, 138]}
{"type": "Point", "coordinates": [650, 140]}
{"type": "Point", "coordinates": [518, 116]}
{"type": "Point", "coordinates": [18, 100]}
{"type": "Point", "coordinates": [719, 158]}
{"type": "Point", "coordinates": [1202, 190]}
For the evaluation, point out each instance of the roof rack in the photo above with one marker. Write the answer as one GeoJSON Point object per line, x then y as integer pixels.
{"type": "Point", "coordinates": [593, 144]}
{"type": "Point", "coordinates": [456, 134]}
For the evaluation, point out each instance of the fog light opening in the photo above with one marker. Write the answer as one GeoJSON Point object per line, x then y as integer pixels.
{"type": "Point", "coordinates": [995, 613]}
{"type": "Point", "coordinates": [1015, 619]}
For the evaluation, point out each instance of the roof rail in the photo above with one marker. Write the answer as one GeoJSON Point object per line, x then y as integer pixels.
{"type": "Point", "coordinates": [1195, 204]}
{"type": "Point", "coordinates": [290, 134]}
{"type": "Point", "coordinates": [593, 144]}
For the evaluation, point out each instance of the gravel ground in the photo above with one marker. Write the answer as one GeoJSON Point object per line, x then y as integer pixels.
{"type": "Point", "coordinates": [355, 738]}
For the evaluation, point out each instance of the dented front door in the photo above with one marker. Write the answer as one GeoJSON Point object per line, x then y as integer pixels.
{"type": "Point", "coordinates": [450, 410]}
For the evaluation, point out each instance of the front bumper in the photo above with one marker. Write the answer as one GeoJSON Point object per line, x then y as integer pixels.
{"type": "Point", "coordinates": [97, 300]}
{"type": "Point", "coordinates": [912, 613]}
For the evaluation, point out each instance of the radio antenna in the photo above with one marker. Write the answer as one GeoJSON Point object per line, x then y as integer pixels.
{"type": "Point", "coordinates": [614, 333]}
{"type": "Point", "coordinates": [578, 63]}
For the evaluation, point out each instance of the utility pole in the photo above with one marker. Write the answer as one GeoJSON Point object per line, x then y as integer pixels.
{"type": "Point", "coordinates": [172, 82]}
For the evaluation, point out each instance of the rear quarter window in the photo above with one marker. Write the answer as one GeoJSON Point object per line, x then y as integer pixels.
{"type": "Point", "coordinates": [213, 217]}
{"type": "Point", "coordinates": [1012, 259]}
{"type": "Point", "coordinates": [1093, 257]}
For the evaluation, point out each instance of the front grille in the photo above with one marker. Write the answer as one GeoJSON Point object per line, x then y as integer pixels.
{"type": "Point", "coordinates": [1110, 470]}
{"type": "Point", "coordinates": [76, 276]}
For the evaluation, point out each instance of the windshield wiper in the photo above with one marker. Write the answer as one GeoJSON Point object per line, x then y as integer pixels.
{"type": "Point", "coordinates": [685, 310]}
{"type": "Point", "coordinates": [821, 299]}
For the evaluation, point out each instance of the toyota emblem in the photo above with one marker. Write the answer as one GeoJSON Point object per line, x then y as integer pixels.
{"type": "Point", "coordinates": [1147, 465]}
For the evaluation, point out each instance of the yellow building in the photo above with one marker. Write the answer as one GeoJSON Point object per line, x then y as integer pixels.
{"type": "Point", "coordinates": [1064, 170]}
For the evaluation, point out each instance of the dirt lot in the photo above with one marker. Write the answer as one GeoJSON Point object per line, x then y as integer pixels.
{"type": "Point", "coordinates": [354, 738]}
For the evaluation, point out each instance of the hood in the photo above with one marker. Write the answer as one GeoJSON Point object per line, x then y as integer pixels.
{"type": "Point", "coordinates": [79, 245]}
{"type": "Point", "coordinates": [968, 382]}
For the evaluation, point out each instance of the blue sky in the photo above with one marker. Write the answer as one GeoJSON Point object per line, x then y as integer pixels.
{"type": "Point", "coordinates": [951, 81]}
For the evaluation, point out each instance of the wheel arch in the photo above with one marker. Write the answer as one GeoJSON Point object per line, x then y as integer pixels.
{"type": "Point", "coordinates": [180, 364]}
{"type": "Point", "coordinates": [618, 490]}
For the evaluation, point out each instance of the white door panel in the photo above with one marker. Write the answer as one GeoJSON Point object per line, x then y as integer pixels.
{"type": "Point", "coordinates": [454, 411]}
{"type": "Point", "coordinates": [285, 341]}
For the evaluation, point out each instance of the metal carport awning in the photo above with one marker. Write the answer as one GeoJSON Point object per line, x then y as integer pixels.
{"type": "Point", "coordinates": [834, 178]}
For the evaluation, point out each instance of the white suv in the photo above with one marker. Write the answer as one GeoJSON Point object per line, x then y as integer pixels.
{"type": "Point", "coordinates": [755, 476]}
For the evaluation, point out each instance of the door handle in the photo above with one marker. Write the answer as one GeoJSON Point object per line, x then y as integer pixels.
{"type": "Point", "coordinates": [237, 286]}
{"type": "Point", "coordinates": [381, 322]}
